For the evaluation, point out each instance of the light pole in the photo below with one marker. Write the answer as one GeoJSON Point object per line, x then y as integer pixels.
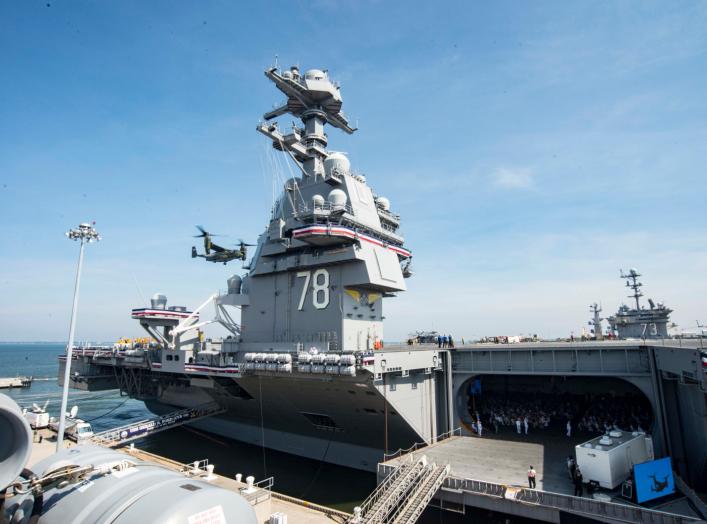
{"type": "Point", "coordinates": [85, 233]}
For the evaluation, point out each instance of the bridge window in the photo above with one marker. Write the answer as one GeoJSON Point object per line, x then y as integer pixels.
{"type": "Point", "coordinates": [169, 357]}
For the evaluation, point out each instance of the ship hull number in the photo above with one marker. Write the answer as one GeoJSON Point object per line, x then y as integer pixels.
{"type": "Point", "coordinates": [320, 288]}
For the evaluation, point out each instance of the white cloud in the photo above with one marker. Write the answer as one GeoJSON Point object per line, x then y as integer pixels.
{"type": "Point", "coordinates": [513, 178]}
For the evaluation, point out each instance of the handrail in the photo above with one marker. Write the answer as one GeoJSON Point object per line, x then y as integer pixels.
{"type": "Point", "coordinates": [686, 490]}
{"type": "Point", "coordinates": [263, 492]}
{"type": "Point", "coordinates": [624, 512]}
{"type": "Point", "coordinates": [417, 445]}
{"type": "Point", "coordinates": [304, 209]}
{"type": "Point", "coordinates": [142, 428]}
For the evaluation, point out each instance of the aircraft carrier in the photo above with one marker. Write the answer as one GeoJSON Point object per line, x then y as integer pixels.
{"type": "Point", "coordinates": [304, 369]}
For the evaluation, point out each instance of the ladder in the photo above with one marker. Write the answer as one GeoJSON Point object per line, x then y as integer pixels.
{"type": "Point", "coordinates": [136, 430]}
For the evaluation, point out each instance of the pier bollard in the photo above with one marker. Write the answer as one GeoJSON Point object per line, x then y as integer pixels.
{"type": "Point", "coordinates": [210, 472]}
{"type": "Point", "coordinates": [357, 514]}
{"type": "Point", "coordinates": [239, 476]}
{"type": "Point", "coordinates": [250, 480]}
{"type": "Point", "coordinates": [195, 468]}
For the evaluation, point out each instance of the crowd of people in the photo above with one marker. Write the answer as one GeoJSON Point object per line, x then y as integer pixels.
{"type": "Point", "coordinates": [524, 413]}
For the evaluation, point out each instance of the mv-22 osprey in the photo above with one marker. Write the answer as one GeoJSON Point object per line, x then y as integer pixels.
{"type": "Point", "coordinates": [216, 253]}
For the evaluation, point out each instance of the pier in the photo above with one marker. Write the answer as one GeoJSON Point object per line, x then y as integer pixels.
{"type": "Point", "coordinates": [15, 382]}
{"type": "Point", "coordinates": [260, 495]}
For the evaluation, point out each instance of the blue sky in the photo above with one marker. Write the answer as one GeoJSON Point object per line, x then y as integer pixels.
{"type": "Point", "coordinates": [532, 149]}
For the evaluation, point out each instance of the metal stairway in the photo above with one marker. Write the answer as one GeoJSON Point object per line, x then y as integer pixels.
{"type": "Point", "coordinates": [121, 435]}
{"type": "Point", "coordinates": [403, 495]}
{"type": "Point", "coordinates": [421, 495]}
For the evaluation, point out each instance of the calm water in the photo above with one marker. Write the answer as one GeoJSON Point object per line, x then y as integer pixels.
{"type": "Point", "coordinates": [318, 482]}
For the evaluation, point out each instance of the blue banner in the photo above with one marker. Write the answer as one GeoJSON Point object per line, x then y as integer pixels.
{"type": "Point", "coordinates": [654, 479]}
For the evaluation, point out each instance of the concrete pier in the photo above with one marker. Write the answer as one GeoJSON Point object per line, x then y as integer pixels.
{"type": "Point", "coordinates": [15, 382]}
{"type": "Point", "coordinates": [264, 501]}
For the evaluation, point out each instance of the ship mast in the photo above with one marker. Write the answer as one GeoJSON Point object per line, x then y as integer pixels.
{"type": "Point", "coordinates": [632, 282]}
{"type": "Point", "coordinates": [316, 101]}
{"type": "Point", "coordinates": [596, 321]}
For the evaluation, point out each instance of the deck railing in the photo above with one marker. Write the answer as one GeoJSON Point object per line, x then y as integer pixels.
{"type": "Point", "coordinates": [576, 505]}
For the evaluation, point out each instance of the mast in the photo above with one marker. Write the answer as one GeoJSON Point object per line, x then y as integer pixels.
{"type": "Point", "coordinates": [632, 282]}
{"type": "Point", "coordinates": [316, 101]}
{"type": "Point", "coordinates": [596, 321]}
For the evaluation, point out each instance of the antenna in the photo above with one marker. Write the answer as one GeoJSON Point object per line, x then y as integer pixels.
{"type": "Point", "coordinates": [632, 282]}
{"type": "Point", "coordinates": [139, 291]}
{"type": "Point", "coordinates": [595, 322]}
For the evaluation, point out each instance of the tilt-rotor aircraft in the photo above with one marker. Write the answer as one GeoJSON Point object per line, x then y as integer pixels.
{"type": "Point", "coordinates": [216, 253]}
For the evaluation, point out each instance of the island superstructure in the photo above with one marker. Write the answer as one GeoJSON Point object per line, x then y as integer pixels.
{"type": "Point", "coordinates": [640, 322]}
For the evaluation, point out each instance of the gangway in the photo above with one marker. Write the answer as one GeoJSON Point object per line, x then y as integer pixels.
{"type": "Point", "coordinates": [403, 495]}
{"type": "Point", "coordinates": [135, 430]}
{"type": "Point", "coordinates": [418, 499]}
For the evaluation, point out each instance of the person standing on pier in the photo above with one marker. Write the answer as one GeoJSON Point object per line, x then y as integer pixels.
{"type": "Point", "coordinates": [518, 425]}
{"type": "Point", "coordinates": [569, 428]}
{"type": "Point", "coordinates": [571, 466]}
{"type": "Point", "coordinates": [525, 424]}
{"type": "Point", "coordinates": [531, 477]}
{"type": "Point", "coordinates": [578, 487]}
{"type": "Point", "coordinates": [439, 341]}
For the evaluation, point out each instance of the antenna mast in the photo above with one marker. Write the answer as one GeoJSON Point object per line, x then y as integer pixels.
{"type": "Point", "coordinates": [595, 309]}
{"type": "Point", "coordinates": [632, 282]}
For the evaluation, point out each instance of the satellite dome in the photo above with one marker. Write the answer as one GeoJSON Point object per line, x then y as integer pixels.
{"type": "Point", "coordinates": [314, 74]}
{"type": "Point", "coordinates": [234, 285]}
{"type": "Point", "coordinates": [337, 198]}
{"type": "Point", "coordinates": [383, 203]}
{"type": "Point", "coordinates": [318, 200]}
{"type": "Point", "coordinates": [158, 301]}
{"type": "Point", "coordinates": [338, 162]}
{"type": "Point", "coordinates": [287, 74]}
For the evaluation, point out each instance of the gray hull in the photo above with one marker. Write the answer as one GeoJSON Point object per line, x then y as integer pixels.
{"type": "Point", "coordinates": [347, 422]}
